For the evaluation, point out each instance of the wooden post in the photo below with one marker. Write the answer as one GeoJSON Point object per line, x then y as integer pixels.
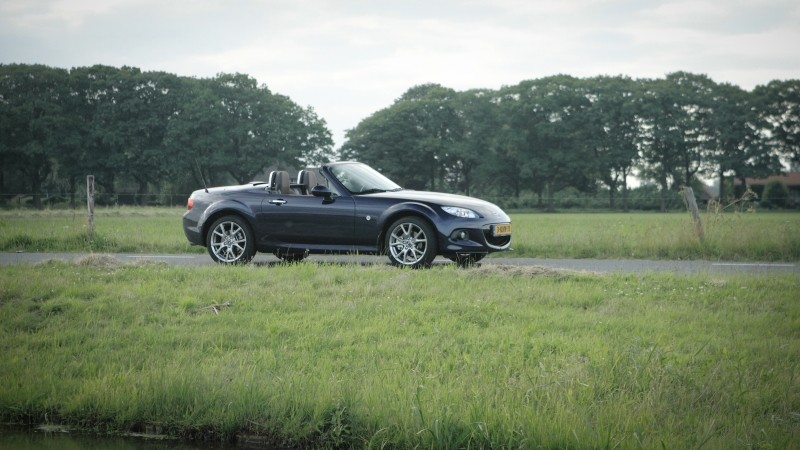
{"type": "Point", "coordinates": [90, 204]}
{"type": "Point", "coordinates": [691, 204]}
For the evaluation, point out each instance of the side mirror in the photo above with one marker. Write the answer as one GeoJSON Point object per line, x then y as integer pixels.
{"type": "Point", "coordinates": [322, 191]}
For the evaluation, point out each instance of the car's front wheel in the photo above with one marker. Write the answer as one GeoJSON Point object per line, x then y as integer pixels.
{"type": "Point", "coordinates": [411, 242]}
{"type": "Point", "coordinates": [230, 241]}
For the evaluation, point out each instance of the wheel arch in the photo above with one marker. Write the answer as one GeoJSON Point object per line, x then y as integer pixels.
{"type": "Point", "coordinates": [391, 215]}
{"type": "Point", "coordinates": [226, 208]}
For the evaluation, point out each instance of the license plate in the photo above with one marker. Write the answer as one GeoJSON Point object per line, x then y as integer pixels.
{"type": "Point", "coordinates": [503, 229]}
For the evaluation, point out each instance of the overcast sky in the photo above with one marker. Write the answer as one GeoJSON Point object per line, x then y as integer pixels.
{"type": "Point", "coordinates": [350, 58]}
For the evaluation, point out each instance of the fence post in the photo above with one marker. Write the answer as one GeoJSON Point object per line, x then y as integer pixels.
{"type": "Point", "coordinates": [90, 204]}
{"type": "Point", "coordinates": [691, 204]}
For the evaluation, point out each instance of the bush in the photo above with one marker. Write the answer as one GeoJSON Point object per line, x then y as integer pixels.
{"type": "Point", "coordinates": [776, 195]}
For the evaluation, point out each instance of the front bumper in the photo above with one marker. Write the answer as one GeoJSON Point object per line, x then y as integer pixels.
{"type": "Point", "coordinates": [475, 240]}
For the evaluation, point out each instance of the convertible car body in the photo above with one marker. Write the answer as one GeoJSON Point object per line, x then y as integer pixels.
{"type": "Point", "coordinates": [344, 207]}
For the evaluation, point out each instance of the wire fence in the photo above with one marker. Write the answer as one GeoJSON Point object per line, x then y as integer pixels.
{"type": "Point", "coordinates": [70, 200]}
{"type": "Point", "coordinates": [636, 201]}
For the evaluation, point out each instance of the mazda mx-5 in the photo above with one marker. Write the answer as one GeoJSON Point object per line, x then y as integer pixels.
{"type": "Point", "coordinates": [344, 207]}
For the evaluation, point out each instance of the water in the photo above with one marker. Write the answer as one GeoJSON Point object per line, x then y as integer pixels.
{"type": "Point", "coordinates": [20, 439]}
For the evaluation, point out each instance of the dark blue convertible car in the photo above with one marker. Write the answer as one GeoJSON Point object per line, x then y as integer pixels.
{"type": "Point", "coordinates": [344, 207]}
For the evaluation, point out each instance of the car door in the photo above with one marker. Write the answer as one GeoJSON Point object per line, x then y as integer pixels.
{"type": "Point", "coordinates": [307, 221]}
{"type": "Point", "coordinates": [369, 210]}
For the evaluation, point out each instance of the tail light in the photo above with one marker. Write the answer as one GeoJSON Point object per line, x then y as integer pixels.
{"type": "Point", "coordinates": [190, 203]}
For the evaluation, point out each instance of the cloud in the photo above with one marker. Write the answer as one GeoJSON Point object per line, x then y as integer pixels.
{"type": "Point", "coordinates": [349, 58]}
{"type": "Point", "coordinates": [71, 14]}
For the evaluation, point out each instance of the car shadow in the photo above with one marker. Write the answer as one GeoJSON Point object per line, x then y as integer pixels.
{"type": "Point", "coordinates": [348, 262]}
{"type": "Point", "coordinates": [317, 262]}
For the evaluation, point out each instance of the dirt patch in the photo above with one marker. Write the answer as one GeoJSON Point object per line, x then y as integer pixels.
{"type": "Point", "coordinates": [99, 260]}
{"type": "Point", "coordinates": [106, 261]}
{"type": "Point", "coordinates": [522, 271]}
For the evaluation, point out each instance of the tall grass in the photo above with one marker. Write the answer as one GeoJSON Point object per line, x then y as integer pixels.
{"type": "Point", "coordinates": [736, 237]}
{"type": "Point", "coordinates": [373, 357]}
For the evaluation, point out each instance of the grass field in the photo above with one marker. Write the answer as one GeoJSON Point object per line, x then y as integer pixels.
{"type": "Point", "coordinates": [733, 237]}
{"type": "Point", "coordinates": [345, 356]}
{"type": "Point", "coordinates": [135, 230]}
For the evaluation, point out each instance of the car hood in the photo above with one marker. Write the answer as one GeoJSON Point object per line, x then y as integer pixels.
{"type": "Point", "coordinates": [482, 207]}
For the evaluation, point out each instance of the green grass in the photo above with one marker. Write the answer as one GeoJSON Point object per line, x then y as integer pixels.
{"type": "Point", "coordinates": [733, 237]}
{"type": "Point", "coordinates": [375, 357]}
{"type": "Point", "coordinates": [117, 230]}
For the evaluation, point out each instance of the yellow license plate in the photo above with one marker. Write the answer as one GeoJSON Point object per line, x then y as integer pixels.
{"type": "Point", "coordinates": [503, 229]}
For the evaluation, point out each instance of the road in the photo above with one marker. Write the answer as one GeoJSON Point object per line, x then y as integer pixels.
{"type": "Point", "coordinates": [588, 265]}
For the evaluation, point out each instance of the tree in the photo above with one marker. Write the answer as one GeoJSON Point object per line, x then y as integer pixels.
{"type": "Point", "coordinates": [389, 141]}
{"type": "Point", "coordinates": [229, 125]}
{"type": "Point", "coordinates": [508, 155]}
{"type": "Point", "coordinates": [411, 141]}
{"type": "Point", "coordinates": [694, 99]}
{"type": "Point", "coordinates": [433, 112]}
{"type": "Point", "coordinates": [310, 134]}
{"type": "Point", "coordinates": [662, 134]}
{"type": "Point", "coordinates": [779, 104]}
{"type": "Point", "coordinates": [479, 121]}
{"type": "Point", "coordinates": [678, 131]}
{"type": "Point", "coordinates": [193, 134]}
{"type": "Point", "coordinates": [145, 103]}
{"type": "Point", "coordinates": [33, 122]}
{"type": "Point", "coordinates": [246, 129]}
{"type": "Point", "coordinates": [739, 148]}
{"type": "Point", "coordinates": [150, 128]}
{"type": "Point", "coordinates": [107, 121]}
{"type": "Point", "coordinates": [616, 115]}
{"type": "Point", "coordinates": [154, 129]}
{"type": "Point", "coordinates": [554, 120]}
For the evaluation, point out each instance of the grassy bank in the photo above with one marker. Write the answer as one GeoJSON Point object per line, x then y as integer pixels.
{"type": "Point", "coordinates": [734, 237]}
{"type": "Point", "coordinates": [374, 357]}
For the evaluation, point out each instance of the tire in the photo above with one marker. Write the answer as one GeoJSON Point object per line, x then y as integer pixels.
{"type": "Point", "coordinates": [410, 242]}
{"type": "Point", "coordinates": [230, 241]}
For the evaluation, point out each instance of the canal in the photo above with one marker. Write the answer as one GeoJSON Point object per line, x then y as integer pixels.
{"type": "Point", "coordinates": [13, 438]}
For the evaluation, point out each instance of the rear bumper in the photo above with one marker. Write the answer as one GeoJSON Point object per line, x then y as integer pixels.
{"type": "Point", "coordinates": [193, 232]}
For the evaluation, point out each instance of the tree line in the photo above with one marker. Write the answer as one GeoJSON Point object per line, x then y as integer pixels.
{"type": "Point", "coordinates": [158, 132]}
{"type": "Point", "coordinates": [588, 135]}
{"type": "Point", "coordinates": [145, 130]}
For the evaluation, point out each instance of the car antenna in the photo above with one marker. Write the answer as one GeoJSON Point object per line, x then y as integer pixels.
{"type": "Point", "coordinates": [202, 178]}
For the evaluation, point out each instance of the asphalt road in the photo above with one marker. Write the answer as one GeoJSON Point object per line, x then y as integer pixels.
{"type": "Point", "coordinates": [587, 265]}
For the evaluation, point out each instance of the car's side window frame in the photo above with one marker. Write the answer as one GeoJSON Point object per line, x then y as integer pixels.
{"type": "Point", "coordinates": [322, 180]}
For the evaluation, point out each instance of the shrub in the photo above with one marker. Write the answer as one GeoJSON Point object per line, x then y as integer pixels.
{"type": "Point", "coordinates": [776, 195]}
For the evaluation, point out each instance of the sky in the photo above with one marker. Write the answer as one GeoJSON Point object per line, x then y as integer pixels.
{"type": "Point", "coordinates": [350, 58]}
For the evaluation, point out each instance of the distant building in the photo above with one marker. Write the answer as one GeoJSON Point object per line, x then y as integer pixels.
{"type": "Point", "coordinates": [791, 180]}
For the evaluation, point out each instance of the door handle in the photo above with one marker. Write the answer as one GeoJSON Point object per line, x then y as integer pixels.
{"type": "Point", "coordinates": [278, 202]}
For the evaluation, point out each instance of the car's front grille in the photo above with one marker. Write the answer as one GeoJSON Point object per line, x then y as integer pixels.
{"type": "Point", "coordinates": [499, 242]}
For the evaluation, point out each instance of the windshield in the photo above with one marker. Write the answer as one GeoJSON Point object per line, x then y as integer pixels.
{"type": "Point", "coordinates": [362, 179]}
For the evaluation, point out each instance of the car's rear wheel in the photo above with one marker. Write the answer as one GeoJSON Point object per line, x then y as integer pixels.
{"type": "Point", "coordinates": [230, 241]}
{"type": "Point", "coordinates": [411, 242]}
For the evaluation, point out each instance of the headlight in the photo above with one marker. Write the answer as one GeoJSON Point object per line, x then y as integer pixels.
{"type": "Point", "coordinates": [460, 212]}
